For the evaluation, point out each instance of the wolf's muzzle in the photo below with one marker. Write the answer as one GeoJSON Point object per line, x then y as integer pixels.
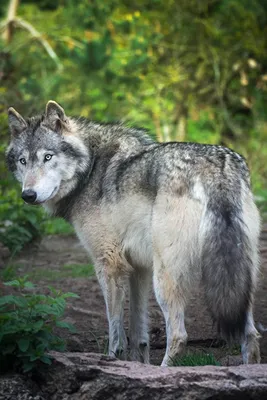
{"type": "Point", "coordinates": [29, 196]}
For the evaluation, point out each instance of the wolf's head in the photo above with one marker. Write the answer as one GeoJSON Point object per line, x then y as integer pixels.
{"type": "Point", "coordinates": [46, 154]}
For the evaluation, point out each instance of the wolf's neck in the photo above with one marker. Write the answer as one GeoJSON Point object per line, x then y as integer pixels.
{"type": "Point", "coordinates": [98, 136]}
{"type": "Point", "coordinates": [62, 204]}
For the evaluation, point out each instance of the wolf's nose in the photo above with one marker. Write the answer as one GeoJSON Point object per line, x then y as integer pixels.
{"type": "Point", "coordinates": [29, 196]}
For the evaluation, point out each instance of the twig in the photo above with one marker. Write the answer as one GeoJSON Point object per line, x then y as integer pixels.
{"type": "Point", "coordinates": [37, 35]}
{"type": "Point", "coordinates": [83, 311]}
{"type": "Point", "coordinates": [20, 23]}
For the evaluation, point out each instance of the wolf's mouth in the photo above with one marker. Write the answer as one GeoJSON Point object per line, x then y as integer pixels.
{"type": "Point", "coordinates": [38, 203]}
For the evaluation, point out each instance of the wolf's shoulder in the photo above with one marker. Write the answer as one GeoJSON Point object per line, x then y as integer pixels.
{"type": "Point", "coordinates": [115, 132]}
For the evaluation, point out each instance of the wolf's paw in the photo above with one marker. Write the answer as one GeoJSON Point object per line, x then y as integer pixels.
{"type": "Point", "coordinates": [140, 352]}
{"type": "Point", "coordinates": [119, 353]}
{"type": "Point", "coordinates": [254, 357]}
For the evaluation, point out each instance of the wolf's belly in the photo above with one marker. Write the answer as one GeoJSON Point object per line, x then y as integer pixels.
{"type": "Point", "coordinates": [131, 222]}
{"type": "Point", "coordinates": [137, 246]}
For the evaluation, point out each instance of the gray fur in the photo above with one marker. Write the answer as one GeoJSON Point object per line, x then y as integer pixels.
{"type": "Point", "coordinates": [180, 211]}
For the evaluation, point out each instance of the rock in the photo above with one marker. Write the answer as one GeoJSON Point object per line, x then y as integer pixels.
{"type": "Point", "coordinates": [94, 376]}
{"type": "Point", "coordinates": [17, 387]}
{"type": "Point", "coordinates": [87, 376]}
{"type": "Point", "coordinates": [231, 360]}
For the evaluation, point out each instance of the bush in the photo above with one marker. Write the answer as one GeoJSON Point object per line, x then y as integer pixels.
{"type": "Point", "coordinates": [19, 223]}
{"type": "Point", "coordinates": [27, 322]}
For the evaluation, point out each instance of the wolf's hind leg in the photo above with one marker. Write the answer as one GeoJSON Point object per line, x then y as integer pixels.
{"type": "Point", "coordinates": [171, 295]}
{"type": "Point", "coordinates": [138, 331]}
{"type": "Point", "coordinates": [176, 245]}
{"type": "Point", "coordinates": [114, 295]}
{"type": "Point", "coordinates": [250, 344]}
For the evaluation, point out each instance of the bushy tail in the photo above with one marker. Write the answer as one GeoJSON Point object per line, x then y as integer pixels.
{"type": "Point", "coordinates": [227, 268]}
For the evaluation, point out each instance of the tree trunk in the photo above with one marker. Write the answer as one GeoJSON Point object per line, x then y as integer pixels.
{"type": "Point", "coordinates": [181, 129]}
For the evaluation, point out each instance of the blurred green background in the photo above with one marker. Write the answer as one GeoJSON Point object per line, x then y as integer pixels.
{"type": "Point", "coordinates": [187, 70]}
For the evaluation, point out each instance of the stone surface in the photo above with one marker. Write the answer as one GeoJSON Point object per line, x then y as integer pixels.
{"type": "Point", "coordinates": [85, 376]}
{"type": "Point", "coordinates": [17, 387]}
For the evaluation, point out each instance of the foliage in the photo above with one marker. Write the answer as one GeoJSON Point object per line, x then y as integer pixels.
{"type": "Point", "coordinates": [12, 270]}
{"type": "Point", "coordinates": [195, 359]}
{"type": "Point", "coordinates": [56, 226]}
{"type": "Point", "coordinates": [53, 274]}
{"type": "Point", "coordinates": [27, 321]}
{"type": "Point", "coordinates": [150, 64]}
{"type": "Point", "coordinates": [187, 70]}
{"type": "Point", "coordinates": [21, 223]}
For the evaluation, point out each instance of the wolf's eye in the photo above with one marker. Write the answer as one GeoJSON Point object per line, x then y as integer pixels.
{"type": "Point", "coordinates": [22, 161]}
{"type": "Point", "coordinates": [48, 157]}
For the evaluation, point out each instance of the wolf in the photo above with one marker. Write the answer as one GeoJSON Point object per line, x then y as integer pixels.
{"type": "Point", "coordinates": [175, 214]}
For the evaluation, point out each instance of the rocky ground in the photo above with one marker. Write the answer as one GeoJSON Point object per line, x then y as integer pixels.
{"type": "Point", "coordinates": [87, 376]}
{"type": "Point", "coordinates": [81, 373]}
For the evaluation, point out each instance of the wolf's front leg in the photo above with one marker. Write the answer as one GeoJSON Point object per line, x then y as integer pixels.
{"type": "Point", "coordinates": [140, 280]}
{"type": "Point", "coordinates": [114, 295]}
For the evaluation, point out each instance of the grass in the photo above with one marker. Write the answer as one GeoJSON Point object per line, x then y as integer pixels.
{"type": "Point", "coordinates": [66, 271]}
{"type": "Point", "coordinates": [195, 359]}
{"type": "Point", "coordinates": [79, 270]}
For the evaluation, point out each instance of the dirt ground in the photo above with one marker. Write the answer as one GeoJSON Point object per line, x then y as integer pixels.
{"type": "Point", "coordinates": [88, 311]}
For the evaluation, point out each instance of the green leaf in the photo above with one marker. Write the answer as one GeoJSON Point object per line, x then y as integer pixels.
{"type": "Point", "coordinates": [14, 283]}
{"type": "Point", "coordinates": [35, 357]}
{"type": "Point", "coordinates": [29, 285]}
{"type": "Point", "coordinates": [46, 359]}
{"type": "Point", "coordinates": [27, 366]}
{"type": "Point", "coordinates": [37, 325]}
{"type": "Point", "coordinates": [13, 300]}
{"type": "Point", "coordinates": [70, 294]}
{"type": "Point", "coordinates": [23, 344]}
{"type": "Point", "coordinates": [44, 309]}
{"type": "Point", "coordinates": [67, 325]}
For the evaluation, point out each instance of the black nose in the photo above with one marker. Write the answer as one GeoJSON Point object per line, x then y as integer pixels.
{"type": "Point", "coordinates": [29, 196]}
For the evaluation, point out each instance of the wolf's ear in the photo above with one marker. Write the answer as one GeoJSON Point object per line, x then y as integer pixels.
{"type": "Point", "coordinates": [55, 116]}
{"type": "Point", "coordinates": [16, 122]}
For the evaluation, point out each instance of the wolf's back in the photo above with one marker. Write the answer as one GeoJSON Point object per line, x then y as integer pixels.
{"type": "Point", "coordinates": [230, 255]}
